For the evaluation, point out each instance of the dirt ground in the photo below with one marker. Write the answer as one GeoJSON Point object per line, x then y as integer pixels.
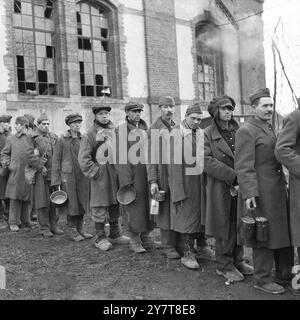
{"type": "Point", "coordinates": [56, 268]}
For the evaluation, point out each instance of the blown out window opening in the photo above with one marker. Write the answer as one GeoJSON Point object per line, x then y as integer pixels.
{"type": "Point", "coordinates": [35, 40]}
{"type": "Point", "coordinates": [93, 50]}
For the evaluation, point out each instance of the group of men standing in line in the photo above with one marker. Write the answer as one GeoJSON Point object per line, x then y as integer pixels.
{"type": "Point", "coordinates": [242, 173]}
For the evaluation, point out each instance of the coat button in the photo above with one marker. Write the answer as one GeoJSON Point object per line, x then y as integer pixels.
{"type": "Point", "coordinates": [223, 155]}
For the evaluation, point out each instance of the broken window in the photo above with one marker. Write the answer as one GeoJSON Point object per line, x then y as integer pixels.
{"type": "Point", "coordinates": [209, 62]}
{"type": "Point", "coordinates": [93, 50]}
{"type": "Point", "coordinates": [35, 47]}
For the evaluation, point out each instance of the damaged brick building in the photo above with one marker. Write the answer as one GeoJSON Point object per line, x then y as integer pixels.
{"type": "Point", "coordinates": [62, 56]}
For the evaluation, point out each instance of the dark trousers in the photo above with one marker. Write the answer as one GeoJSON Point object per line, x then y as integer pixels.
{"type": "Point", "coordinates": [19, 212]}
{"type": "Point", "coordinates": [263, 259]}
{"type": "Point", "coordinates": [74, 221]}
{"type": "Point", "coordinates": [47, 218]}
{"type": "Point", "coordinates": [169, 238]}
{"type": "Point", "coordinates": [228, 253]}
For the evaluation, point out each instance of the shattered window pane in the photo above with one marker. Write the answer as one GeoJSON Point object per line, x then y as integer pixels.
{"type": "Point", "coordinates": [35, 47]}
{"type": "Point", "coordinates": [93, 36]}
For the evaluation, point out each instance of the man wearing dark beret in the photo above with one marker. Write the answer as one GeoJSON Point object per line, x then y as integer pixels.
{"type": "Point", "coordinates": [263, 194]}
{"type": "Point", "coordinates": [136, 213]}
{"type": "Point", "coordinates": [161, 177]}
{"type": "Point", "coordinates": [94, 146]}
{"type": "Point", "coordinates": [43, 142]}
{"type": "Point", "coordinates": [13, 156]}
{"type": "Point", "coordinates": [66, 173]}
{"type": "Point", "coordinates": [221, 189]}
{"type": "Point", "coordinates": [4, 205]}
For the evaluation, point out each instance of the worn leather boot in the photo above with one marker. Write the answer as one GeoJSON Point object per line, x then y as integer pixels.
{"type": "Point", "coordinates": [135, 243]}
{"type": "Point", "coordinates": [74, 235]}
{"type": "Point", "coordinates": [80, 229]}
{"type": "Point", "coordinates": [101, 242]}
{"type": "Point", "coordinates": [115, 235]}
{"type": "Point", "coordinates": [148, 241]}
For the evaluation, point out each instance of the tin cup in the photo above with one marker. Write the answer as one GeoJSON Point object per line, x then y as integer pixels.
{"type": "Point", "coordinates": [262, 229]}
{"type": "Point", "coordinates": [160, 195]}
{"type": "Point", "coordinates": [247, 228]}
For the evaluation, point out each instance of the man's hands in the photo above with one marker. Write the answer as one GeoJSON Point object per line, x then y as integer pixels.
{"type": "Point", "coordinates": [44, 171]}
{"type": "Point", "coordinates": [153, 188]}
{"type": "Point", "coordinates": [250, 203]}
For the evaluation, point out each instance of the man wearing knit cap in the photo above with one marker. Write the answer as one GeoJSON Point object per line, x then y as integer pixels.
{"type": "Point", "coordinates": [4, 205]}
{"type": "Point", "coordinates": [187, 220]}
{"type": "Point", "coordinates": [13, 156]}
{"type": "Point", "coordinates": [44, 142]}
{"type": "Point", "coordinates": [263, 193]}
{"type": "Point", "coordinates": [162, 177]}
{"type": "Point", "coordinates": [135, 175]}
{"type": "Point", "coordinates": [66, 173]}
{"type": "Point", "coordinates": [103, 178]}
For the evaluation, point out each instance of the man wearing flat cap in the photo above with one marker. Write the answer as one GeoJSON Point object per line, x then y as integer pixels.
{"type": "Point", "coordinates": [4, 205]}
{"type": "Point", "coordinates": [94, 147]}
{"type": "Point", "coordinates": [262, 191]}
{"type": "Point", "coordinates": [136, 213]}
{"type": "Point", "coordinates": [221, 189]}
{"type": "Point", "coordinates": [66, 173]}
{"type": "Point", "coordinates": [13, 156]}
{"type": "Point", "coordinates": [40, 155]}
{"type": "Point", "coordinates": [162, 176]}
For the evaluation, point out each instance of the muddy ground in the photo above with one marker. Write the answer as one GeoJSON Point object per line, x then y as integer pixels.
{"type": "Point", "coordinates": [56, 268]}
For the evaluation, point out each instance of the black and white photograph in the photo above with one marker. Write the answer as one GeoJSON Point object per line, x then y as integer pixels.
{"type": "Point", "coordinates": [149, 153]}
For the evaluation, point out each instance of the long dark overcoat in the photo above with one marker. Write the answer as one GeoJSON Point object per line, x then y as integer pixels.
{"type": "Point", "coordinates": [3, 180]}
{"type": "Point", "coordinates": [137, 212]}
{"type": "Point", "coordinates": [67, 173]}
{"type": "Point", "coordinates": [44, 143]}
{"type": "Point", "coordinates": [187, 217]}
{"type": "Point", "coordinates": [103, 177]}
{"type": "Point", "coordinates": [220, 176]}
{"type": "Point", "coordinates": [260, 175]}
{"type": "Point", "coordinates": [287, 151]}
{"type": "Point", "coordinates": [168, 178]}
{"type": "Point", "coordinates": [14, 153]}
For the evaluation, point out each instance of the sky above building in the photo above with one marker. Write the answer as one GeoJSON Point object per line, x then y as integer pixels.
{"type": "Point", "coordinates": [285, 14]}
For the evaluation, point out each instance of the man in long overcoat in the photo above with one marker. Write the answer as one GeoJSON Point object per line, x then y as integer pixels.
{"type": "Point", "coordinates": [66, 173]}
{"type": "Point", "coordinates": [96, 162]}
{"type": "Point", "coordinates": [221, 206]}
{"type": "Point", "coordinates": [13, 156]}
{"type": "Point", "coordinates": [161, 176]}
{"type": "Point", "coordinates": [4, 205]}
{"type": "Point", "coordinates": [262, 186]}
{"type": "Point", "coordinates": [43, 141]}
{"type": "Point", "coordinates": [138, 220]}
{"type": "Point", "coordinates": [287, 151]}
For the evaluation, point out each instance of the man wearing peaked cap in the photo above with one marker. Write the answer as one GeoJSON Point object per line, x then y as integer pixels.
{"type": "Point", "coordinates": [221, 189]}
{"type": "Point", "coordinates": [74, 117]}
{"type": "Point", "coordinates": [96, 165]}
{"type": "Point", "coordinates": [97, 109]}
{"type": "Point", "coordinates": [13, 156]}
{"type": "Point", "coordinates": [4, 133]}
{"type": "Point", "coordinates": [162, 177]}
{"type": "Point", "coordinates": [262, 186]}
{"type": "Point", "coordinates": [44, 142]}
{"type": "Point", "coordinates": [135, 176]}
{"type": "Point", "coordinates": [71, 178]}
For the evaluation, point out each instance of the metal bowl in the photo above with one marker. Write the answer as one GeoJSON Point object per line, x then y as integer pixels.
{"type": "Point", "coordinates": [58, 198]}
{"type": "Point", "coordinates": [126, 194]}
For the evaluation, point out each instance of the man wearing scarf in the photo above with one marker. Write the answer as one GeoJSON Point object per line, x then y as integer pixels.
{"type": "Point", "coordinates": [221, 190]}
{"type": "Point", "coordinates": [135, 175]}
{"type": "Point", "coordinates": [103, 178]}
{"type": "Point", "coordinates": [165, 176]}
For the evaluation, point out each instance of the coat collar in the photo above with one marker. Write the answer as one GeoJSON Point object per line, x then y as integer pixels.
{"type": "Point", "coordinates": [161, 124]}
{"type": "Point", "coordinates": [20, 134]}
{"type": "Point", "coordinates": [221, 143]}
{"type": "Point", "coordinates": [141, 125]}
{"type": "Point", "coordinates": [68, 134]}
{"type": "Point", "coordinates": [264, 125]}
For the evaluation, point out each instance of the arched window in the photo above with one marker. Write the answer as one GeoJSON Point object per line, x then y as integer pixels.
{"type": "Point", "coordinates": [209, 61]}
{"type": "Point", "coordinates": [94, 30]}
{"type": "Point", "coordinates": [35, 46]}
